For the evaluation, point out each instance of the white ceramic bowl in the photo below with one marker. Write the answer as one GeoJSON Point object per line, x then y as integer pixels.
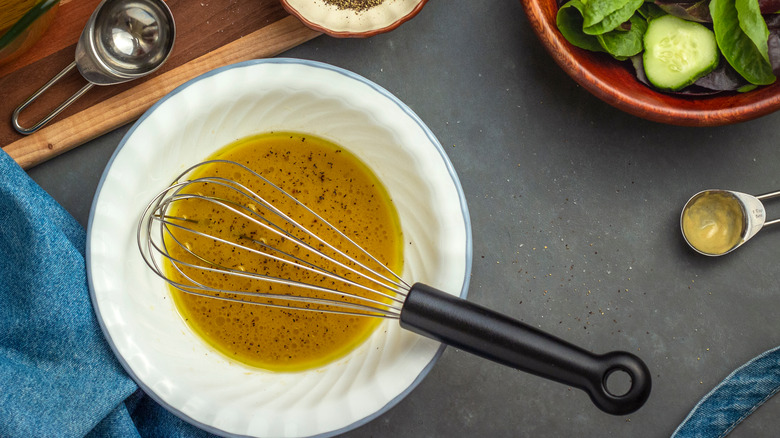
{"type": "Point", "coordinates": [152, 342]}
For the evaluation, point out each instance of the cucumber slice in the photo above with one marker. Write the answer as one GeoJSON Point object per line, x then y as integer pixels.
{"type": "Point", "coordinates": [677, 52]}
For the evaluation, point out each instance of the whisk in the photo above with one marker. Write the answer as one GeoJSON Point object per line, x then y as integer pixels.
{"type": "Point", "coordinates": [338, 276]}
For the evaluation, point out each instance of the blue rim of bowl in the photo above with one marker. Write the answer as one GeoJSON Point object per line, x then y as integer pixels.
{"type": "Point", "coordinates": [354, 76]}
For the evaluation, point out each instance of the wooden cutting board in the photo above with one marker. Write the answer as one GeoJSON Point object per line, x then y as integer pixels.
{"type": "Point", "coordinates": [209, 34]}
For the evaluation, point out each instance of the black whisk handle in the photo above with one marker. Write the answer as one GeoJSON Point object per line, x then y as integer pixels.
{"type": "Point", "coordinates": [489, 334]}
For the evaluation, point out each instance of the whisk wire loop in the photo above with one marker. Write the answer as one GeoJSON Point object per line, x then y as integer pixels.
{"type": "Point", "coordinates": [280, 213]}
{"type": "Point", "coordinates": [252, 216]}
{"type": "Point", "coordinates": [252, 196]}
{"type": "Point", "coordinates": [159, 229]}
{"type": "Point", "coordinates": [220, 269]}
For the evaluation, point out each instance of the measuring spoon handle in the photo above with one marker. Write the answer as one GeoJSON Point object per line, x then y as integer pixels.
{"type": "Point", "coordinates": [492, 335]}
{"type": "Point", "coordinates": [53, 114]}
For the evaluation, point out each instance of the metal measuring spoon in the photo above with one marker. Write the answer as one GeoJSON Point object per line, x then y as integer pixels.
{"type": "Point", "coordinates": [123, 40]}
{"type": "Point", "coordinates": [716, 222]}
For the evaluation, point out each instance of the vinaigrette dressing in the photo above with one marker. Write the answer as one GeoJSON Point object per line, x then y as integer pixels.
{"type": "Point", "coordinates": [332, 182]}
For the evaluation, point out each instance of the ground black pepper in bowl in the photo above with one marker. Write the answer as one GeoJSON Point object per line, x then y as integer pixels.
{"type": "Point", "coordinates": [357, 5]}
{"type": "Point", "coordinates": [353, 18]}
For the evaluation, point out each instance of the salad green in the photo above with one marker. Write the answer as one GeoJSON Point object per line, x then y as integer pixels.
{"type": "Point", "coordinates": [742, 36]}
{"type": "Point", "coordinates": [747, 34]}
{"type": "Point", "coordinates": [613, 20]}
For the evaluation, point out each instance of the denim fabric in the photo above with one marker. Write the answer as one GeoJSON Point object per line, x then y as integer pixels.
{"type": "Point", "coordinates": [736, 397]}
{"type": "Point", "coordinates": [58, 375]}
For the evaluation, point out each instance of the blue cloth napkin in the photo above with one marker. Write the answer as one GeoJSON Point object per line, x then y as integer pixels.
{"type": "Point", "coordinates": [58, 375]}
{"type": "Point", "coordinates": [734, 399]}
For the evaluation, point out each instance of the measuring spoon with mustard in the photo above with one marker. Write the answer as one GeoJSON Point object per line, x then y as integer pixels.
{"type": "Point", "coordinates": [716, 222]}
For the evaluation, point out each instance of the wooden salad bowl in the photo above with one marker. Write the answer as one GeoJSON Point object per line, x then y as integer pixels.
{"type": "Point", "coordinates": [614, 82]}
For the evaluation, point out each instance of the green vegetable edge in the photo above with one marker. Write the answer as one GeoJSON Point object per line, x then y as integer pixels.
{"type": "Point", "coordinates": [570, 22]}
{"type": "Point", "coordinates": [623, 45]}
{"type": "Point", "coordinates": [752, 23]}
{"type": "Point", "coordinates": [615, 19]}
{"type": "Point", "coordinates": [737, 47]}
{"type": "Point", "coordinates": [619, 43]}
{"type": "Point", "coordinates": [594, 12]}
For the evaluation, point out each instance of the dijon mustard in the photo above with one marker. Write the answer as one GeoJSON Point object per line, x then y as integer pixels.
{"type": "Point", "coordinates": [328, 179]}
{"type": "Point", "coordinates": [713, 223]}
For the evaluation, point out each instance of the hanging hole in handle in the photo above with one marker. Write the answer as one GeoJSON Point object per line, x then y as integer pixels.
{"type": "Point", "coordinates": [61, 107]}
{"type": "Point", "coordinates": [618, 382]}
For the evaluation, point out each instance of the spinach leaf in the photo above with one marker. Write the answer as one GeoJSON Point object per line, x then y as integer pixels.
{"type": "Point", "coordinates": [723, 78]}
{"type": "Point", "coordinates": [772, 22]}
{"type": "Point", "coordinates": [752, 23]}
{"type": "Point", "coordinates": [773, 44]}
{"type": "Point", "coordinates": [596, 10]}
{"type": "Point", "coordinates": [615, 19]}
{"type": "Point", "coordinates": [738, 49]}
{"type": "Point", "coordinates": [650, 10]}
{"type": "Point", "coordinates": [570, 20]}
{"type": "Point", "coordinates": [694, 11]}
{"type": "Point", "coordinates": [769, 6]}
{"type": "Point", "coordinates": [623, 44]}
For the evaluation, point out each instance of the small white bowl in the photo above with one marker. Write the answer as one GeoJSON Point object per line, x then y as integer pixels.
{"type": "Point", "coordinates": [350, 23]}
{"type": "Point", "coordinates": [175, 366]}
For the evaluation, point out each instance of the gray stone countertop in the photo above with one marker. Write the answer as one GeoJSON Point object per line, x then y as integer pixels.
{"type": "Point", "coordinates": [575, 209]}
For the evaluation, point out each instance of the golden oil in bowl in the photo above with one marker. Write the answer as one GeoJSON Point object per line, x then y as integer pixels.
{"type": "Point", "coordinates": [329, 180]}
